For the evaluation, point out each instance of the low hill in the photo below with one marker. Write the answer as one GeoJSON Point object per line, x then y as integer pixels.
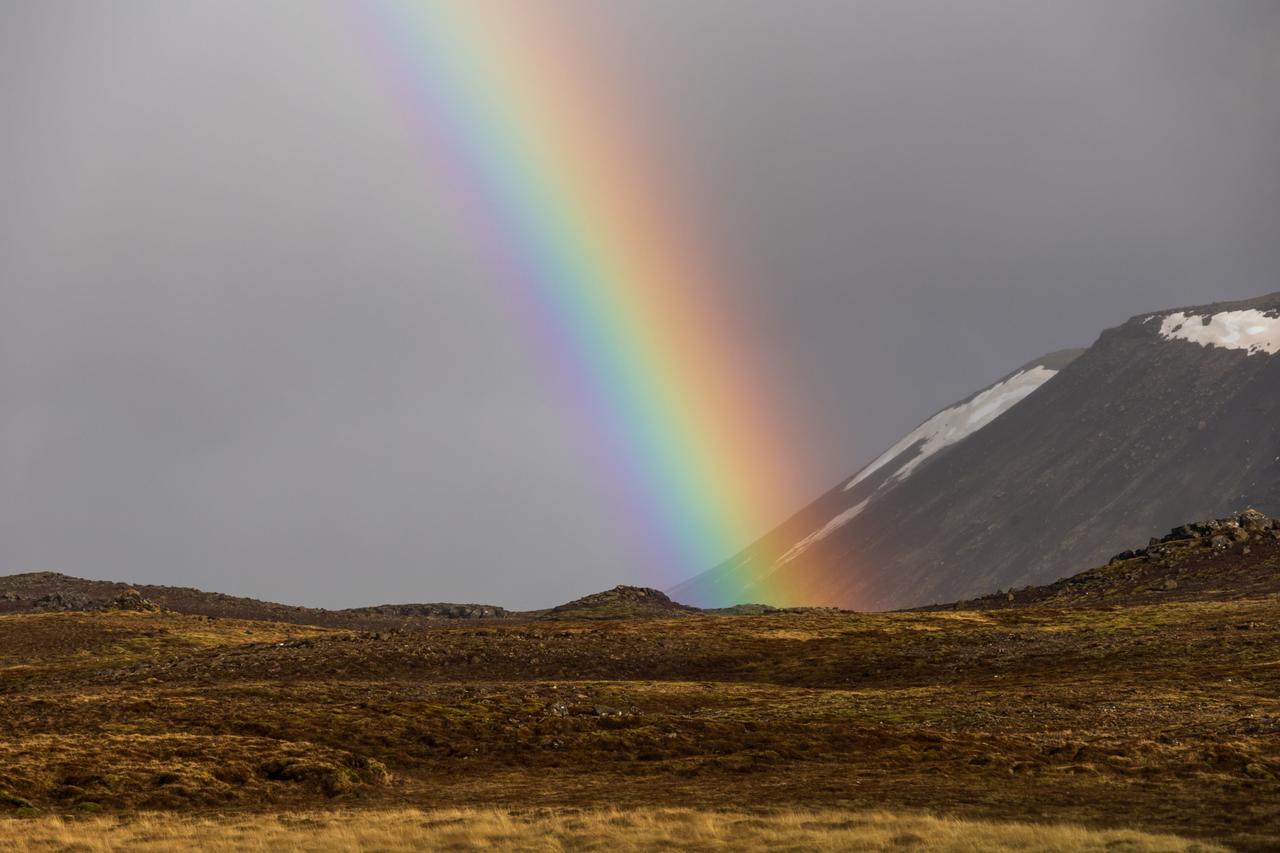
{"type": "Point", "coordinates": [47, 591]}
{"type": "Point", "coordinates": [621, 602]}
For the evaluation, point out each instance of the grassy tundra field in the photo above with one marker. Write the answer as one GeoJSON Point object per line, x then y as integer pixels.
{"type": "Point", "coordinates": [778, 729]}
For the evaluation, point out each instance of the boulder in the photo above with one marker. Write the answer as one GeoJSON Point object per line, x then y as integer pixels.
{"type": "Point", "coordinates": [56, 602]}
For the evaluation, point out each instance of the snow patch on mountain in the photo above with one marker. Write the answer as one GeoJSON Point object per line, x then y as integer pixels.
{"type": "Point", "coordinates": [1250, 330]}
{"type": "Point", "coordinates": [951, 425]}
{"type": "Point", "coordinates": [940, 431]}
{"type": "Point", "coordinates": [830, 527]}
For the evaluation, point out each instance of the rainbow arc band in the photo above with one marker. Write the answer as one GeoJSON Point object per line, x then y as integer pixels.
{"type": "Point", "coordinates": [548, 176]}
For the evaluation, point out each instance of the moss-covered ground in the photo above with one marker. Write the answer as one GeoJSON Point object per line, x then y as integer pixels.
{"type": "Point", "coordinates": [1160, 717]}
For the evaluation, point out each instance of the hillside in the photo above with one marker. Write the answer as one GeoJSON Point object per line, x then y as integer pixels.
{"type": "Point", "coordinates": [1070, 459]}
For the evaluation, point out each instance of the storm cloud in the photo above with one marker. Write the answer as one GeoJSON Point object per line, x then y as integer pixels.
{"type": "Point", "coordinates": [243, 348]}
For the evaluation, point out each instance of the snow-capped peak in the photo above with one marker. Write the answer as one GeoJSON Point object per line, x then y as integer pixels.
{"type": "Point", "coordinates": [1251, 330]}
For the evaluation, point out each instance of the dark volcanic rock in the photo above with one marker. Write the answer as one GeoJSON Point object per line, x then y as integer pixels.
{"type": "Point", "coordinates": [63, 601]}
{"type": "Point", "coordinates": [132, 600]}
{"type": "Point", "coordinates": [55, 602]}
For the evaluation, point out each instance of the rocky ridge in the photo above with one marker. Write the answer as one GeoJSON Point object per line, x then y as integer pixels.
{"type": "Point", "coordinates": [63, 602]}
{"type": "Point", "coordinates": [1219, 559]}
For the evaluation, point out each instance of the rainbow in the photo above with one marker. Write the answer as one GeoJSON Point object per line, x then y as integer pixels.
{"type": "Point", "coordinates": [551, 183]}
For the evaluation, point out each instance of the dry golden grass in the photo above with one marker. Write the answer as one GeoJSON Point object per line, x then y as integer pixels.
{"type": "Point", "coordinates": [644, 829]}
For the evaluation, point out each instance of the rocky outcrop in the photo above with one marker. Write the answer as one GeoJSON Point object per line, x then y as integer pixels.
{"type": "Point", "coordinates": [1220, 559]}
{"type": "Point", "coordinates": [132, 600]}
{"type": "Point", "coordinates": [63, 601]}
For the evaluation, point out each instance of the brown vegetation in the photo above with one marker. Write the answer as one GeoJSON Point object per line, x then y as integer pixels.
{"type": "Point", "coordinates": [1163, 718]}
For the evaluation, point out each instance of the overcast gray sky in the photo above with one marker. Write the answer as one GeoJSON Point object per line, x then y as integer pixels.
{"type": "Point", "coordinates": [242, 349]}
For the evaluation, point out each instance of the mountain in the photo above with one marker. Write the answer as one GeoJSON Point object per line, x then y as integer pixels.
{"type": "Point", "coordinates": [1171, 415]}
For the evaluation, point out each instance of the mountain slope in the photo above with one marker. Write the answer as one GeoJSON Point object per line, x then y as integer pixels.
{"type": "Point", "coordinates": [1171, 415]}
